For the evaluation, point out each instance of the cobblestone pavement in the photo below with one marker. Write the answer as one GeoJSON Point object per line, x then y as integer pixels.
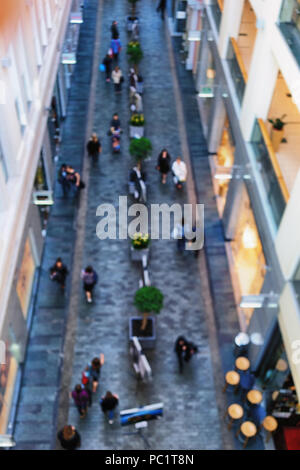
{"type": "Point", "coordinates": [191, 418]}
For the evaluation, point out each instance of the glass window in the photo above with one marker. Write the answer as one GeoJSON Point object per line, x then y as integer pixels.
{"type": "Point", "coordinates": [289, 24]}
{"type": "Point", "coordinates": [3, 164]}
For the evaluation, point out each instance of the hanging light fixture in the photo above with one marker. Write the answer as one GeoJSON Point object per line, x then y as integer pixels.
{"type": "Point", "coordinates": [249, 238]}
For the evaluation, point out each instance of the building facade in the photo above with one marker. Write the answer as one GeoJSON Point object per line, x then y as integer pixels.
{"type": "Point", "coordinates": [38, 43]}
{"type": "Point", "coordinates": [245, 59]}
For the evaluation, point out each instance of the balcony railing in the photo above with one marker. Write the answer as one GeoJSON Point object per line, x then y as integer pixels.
{"type": "Point", "coordinates": [277, 192]}
{"type": "Point", "coordinates": [289, 24]}
{"type": "Point", "coordinates": [237, 69]}
{"type": "Point", "coordinates": [217, 10]}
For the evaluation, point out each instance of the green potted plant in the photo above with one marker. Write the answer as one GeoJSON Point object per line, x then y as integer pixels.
{"type": "Point", "coordinates": [148, 299]}
{"type": "Point", "coordinates": [140, 246]}
{"type": "Point", "coordinates": [135, 53]}
{"type": "Point", "coordinates": [277, 131]}
{"type": "Point", "coordinates": [136, 126]}
{"type": "Point", "coordinates": [140, 148]}
{"type": "Point", "coordinates": [132, 17]}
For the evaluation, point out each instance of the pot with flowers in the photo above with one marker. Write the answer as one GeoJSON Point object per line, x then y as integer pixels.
{"type": "Point", "coordinates": [136, 126]}
{"type": "Point", "coordinates": [140, 246]}
{"type": "Point", "coordinates": [147, 299]}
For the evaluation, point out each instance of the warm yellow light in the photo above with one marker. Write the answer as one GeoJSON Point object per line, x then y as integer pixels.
{"type": "Point", "coordinates": [249, 238]}
{"type": "Point", "coordinates": [210, 73]}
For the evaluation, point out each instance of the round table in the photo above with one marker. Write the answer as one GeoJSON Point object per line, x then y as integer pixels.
{"type": "Point", "coordinates": [235, 412]}
{"type": "Point", "coordinates": [254, 397]}
{"type": "Point", "coordinates": [242, 363]}
{"type": "Point", "coordinates": [231, 378]}
{"type": "Point", "coordinates": [248, 429]}
{"type": "Point", "coordinates": [270, 424]}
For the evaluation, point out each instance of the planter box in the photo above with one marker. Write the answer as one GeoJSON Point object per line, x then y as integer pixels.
{"type": "Point", "coordinates": [136, 132]}
{"type": "Point", "coordinates": [147, 338]}
{"type": "Point", "coordinates": [137, 255]}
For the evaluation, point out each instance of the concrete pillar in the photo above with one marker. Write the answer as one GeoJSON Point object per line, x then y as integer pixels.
{"type": "Point", "coordinates": [217, 122]}
{"type": "Point", "coordinates": [232, 207]}
{"type": "Point", "coordinates": [261, 84]}
{"type": "Point", "coordinates": [230, 25]}
{"type": "Point", "coordinates": [287, 242]}
{"type": "Point", "coordinates": [193, 23]}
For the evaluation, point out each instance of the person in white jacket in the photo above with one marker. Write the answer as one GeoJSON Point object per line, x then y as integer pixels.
{"type": "Point", "coordinates": [179, 171]}
{"type": "Point", "coordinates": [117, 78]}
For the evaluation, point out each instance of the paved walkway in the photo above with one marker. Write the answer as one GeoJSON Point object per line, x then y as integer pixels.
{"type": "Point", "coordinates": [189, 399]}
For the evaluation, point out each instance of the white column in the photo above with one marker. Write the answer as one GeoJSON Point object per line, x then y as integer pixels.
{"type": "Point", "coordinates": [261, 84]}
{"type": "Point", "coordinates": [287, 242]}
{"type": "Point", "coordinates": [193, 23]}
{"type": "Point", "coordinates": [230, 24]}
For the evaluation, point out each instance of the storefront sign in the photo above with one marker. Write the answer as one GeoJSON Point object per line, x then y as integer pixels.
{"type": "Point", "coordinates": [43, 198]}
{"type": "Point", "coordinates": [206, 92]}
{"type": "Point", "coordinates": [76, 17]}
{"type": "Point", "coordinates": [68, 58]}
{"type": "Point", "coordinates": [181, 15]}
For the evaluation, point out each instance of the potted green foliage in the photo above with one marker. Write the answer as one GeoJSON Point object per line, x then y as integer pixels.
{"type": "Point", "coordinates": [136, 125]}
{"type": "Point", "coordinates": [140, 148]}
{"type": "Point", "coordinates": [148, 299]}
{"type": "Point", "coordinates": [277, 131]}
{"type": "Point", "coordinates": [135, 53]}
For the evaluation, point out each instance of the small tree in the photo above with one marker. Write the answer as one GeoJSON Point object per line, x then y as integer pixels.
{"type": "Point", "coordinates": [133, 5]}
{"type": "Point", "coordinates": [140, 148]}
{"type": "Point", "coordinates": [135, 53]}
{"type": "Point", "coordinates": [148, 299]}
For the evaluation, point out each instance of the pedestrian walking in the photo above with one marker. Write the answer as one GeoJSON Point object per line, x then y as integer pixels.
{"type": "Point", "coordinates": [81, 399]}
{"type": "Point", "coordinates": [117, 78]}
{"type": "Point", "coordinates": [164, 164]}
{"type": "Point", "coordinates": [180, 349]}
{"type": "Point", "coordinates": [90, 278]}
{"type": "Point", "coordinates": [68, 177]}
{"type": "Point", "coordinates": [179, 171]}
{"type": "Point", "coordinates": [93, 371]}
{"type": "Point", "coordinates": [107, 62]}
{"type": "Point", "coordinates": [108, 404]}
{"type": "Point", "coordinates": [116, 47]}
{"type": "Point", "coordinates": [69, 437]}
{"type": "Point", "coordinates": [115, 124]}
{"type": "Point", "coordinates": [94, 147]}
{"type": "Point", "coordinates": [181, 229]}
{"type": "Point", "coordinates": [59, 272]}
{"type": "Point", "coordinates": [161, 7]}
{"type": "Point", "coordinates": [114, 30]}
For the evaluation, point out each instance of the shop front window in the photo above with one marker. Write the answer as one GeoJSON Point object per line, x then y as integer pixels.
{"type": "Point", "coordinates": [249, 264]}
{"type": "Point", "coordinates": [25, 277]}
{"type": "Point", "coordinates": [289, 24]}
{"type": "Point", "coordinates": [221, 164]}
{"type": "Point", "coordinates": [8, 372]}
{"type": "Point", "coordinates": [206, 79]}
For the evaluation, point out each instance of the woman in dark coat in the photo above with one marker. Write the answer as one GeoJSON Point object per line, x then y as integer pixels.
{"type": "Point", "coordinates": [107, 61]}
{"type": "Point", "coordinates": [164, 164]}
{"type": "Point", "coordinates": [69, 438]}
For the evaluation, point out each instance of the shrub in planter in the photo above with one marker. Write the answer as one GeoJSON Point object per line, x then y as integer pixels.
{"type": "Point", "coordinates": [135, 53]}
{"type": "Point", "coordinates": [140, 148]}
{"type": "Point", "coordinates": [277, 131]}
{"type": "Point", "coordinates": [148, 299]}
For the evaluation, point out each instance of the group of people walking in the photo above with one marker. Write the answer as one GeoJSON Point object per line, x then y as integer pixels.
{"type": "Point", "coordinates": [82, 394]}
{"type": "Point", "coordinates": [59, 272]}
{"type": "Point", "coordinates": [179, 169]}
